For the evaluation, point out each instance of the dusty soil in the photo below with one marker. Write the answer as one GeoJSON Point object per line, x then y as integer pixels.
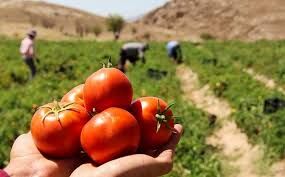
{"type": "Point", "coordinates": [278, 169]}
{"type": "Point", "coordinates": [177, 19]}
{"type": "Point", "coordinates": [233, 144]}
{"type": "Point", "coordinates": [268, 82]}
{"type": "Point", "coordinates": [223, 19]}
{"type": "Point", "coordinates": [56, 22]}
{"type": "Point", "coordinates": [201, 96]}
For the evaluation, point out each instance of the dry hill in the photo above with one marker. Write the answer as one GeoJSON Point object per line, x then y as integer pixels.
{"type": "Point", "coordinates": [52, 21]}
{"type": "Point", "coordinates": [224, 19]}
{"type": "Point", "coordinates": [57, 22]}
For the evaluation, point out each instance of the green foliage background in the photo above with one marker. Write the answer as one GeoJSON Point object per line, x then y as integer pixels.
{"type": "Point", "coordinates": [63, 65]}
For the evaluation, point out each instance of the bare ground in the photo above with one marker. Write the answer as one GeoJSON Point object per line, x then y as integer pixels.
{"type": "Point", "coordinates": [269, 83]}
{"type": "Point", "coordinates": [278, 169]}
{"type": "Point", "coordinates": [201, 96]}
{"type": "Point", "coordinates": [235, 149]}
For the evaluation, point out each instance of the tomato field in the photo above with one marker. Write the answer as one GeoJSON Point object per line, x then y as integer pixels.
{"type": "Point", "coordinates": [64, 65]}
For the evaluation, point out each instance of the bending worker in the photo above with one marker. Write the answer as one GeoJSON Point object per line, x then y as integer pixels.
{"type": "Point", "coordinates": [174, 51]}
{"type": "Point", "coordinates": [132, 52]}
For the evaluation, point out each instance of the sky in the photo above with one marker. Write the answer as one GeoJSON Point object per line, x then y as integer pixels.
{"type": "Point", "coordinates": [129, 9]}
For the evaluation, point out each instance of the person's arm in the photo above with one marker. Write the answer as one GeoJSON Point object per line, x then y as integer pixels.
{"type": "Point", "coordinates": [24, 48]}
{"type": "Point", "coordinates": [179, 53]}
{"type": "Point", "coordinates": [32, 50]}
{"type": "Point", "coordinates": [141, 55]}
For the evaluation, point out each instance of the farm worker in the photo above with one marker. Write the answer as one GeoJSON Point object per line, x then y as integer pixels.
{"type": "Point", "coordinates": [117, 35]}
{"type": "Point", "coordinates": [27, 51]}
{"type": "Point", "coordinates": [133, 52]}
{"type": "Point", "coordinates": [174, 51]}
{"type": "Point", "coordinates": [26, 160]}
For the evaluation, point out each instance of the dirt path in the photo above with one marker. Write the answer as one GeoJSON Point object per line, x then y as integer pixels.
{"type": "Point", "coordinates": [278, 169]}
{"type": "Point", "coordinates": [269, 83]}
{"type": "Point", "coordinates": [233, 144]}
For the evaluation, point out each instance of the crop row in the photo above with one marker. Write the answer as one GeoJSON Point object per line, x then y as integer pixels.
{"type": "Point", "coordinates": [215, 66]}
{"type": "Point", "coordinates": [63, 65]}
{"type": "Point", "coordinates": [265, 57]}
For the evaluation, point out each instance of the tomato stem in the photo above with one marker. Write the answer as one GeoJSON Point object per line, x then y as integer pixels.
{"type": "Point", "coordinates": [168, 107]}
{"type": "Point", "coordinates": [109, 63]}
{"type": "Point", "coordinates": [161, 117]}
{"type": "Point", "coordinates": [56, 108]}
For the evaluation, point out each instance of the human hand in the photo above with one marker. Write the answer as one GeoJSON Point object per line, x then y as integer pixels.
{"type": "Point", "coordinates": [26, 160]}
{"type": "Point", "coordinates": [138, 165]}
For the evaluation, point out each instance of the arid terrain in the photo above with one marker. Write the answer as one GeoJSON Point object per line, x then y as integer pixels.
{"type": "Point", "coordinates": [179, 19]}
{"type": "Point", "coordinates": [224, 19]}
{"type": "Point", "coordinates": [56, 22]}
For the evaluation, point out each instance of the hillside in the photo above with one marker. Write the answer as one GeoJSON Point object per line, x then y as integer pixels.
{"type": "Point", "coordinates": [224, 19]}
{"type": "Point", "coordinates": [57, 22]}
{"type": "Point", "coordinates": [52, 21]}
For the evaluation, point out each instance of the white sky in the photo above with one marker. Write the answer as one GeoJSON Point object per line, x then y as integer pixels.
{"type": "Point", "coordinates": [126, 8]}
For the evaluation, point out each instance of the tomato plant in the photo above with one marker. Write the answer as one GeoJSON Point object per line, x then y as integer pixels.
{"type": "Point", "coordinates": [155, 119]}
{"type": "Point", "coordinates": [108, 87]}
{"type": "Point", "coordinates": [56, 128]}
{"type": "Point", "coordinates": [74, 95]}
{"type": "Point", "coordinates": [110, 134]}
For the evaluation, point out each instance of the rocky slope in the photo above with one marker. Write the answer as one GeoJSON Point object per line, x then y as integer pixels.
{"type": "Point", "coordinates": [224, 19]}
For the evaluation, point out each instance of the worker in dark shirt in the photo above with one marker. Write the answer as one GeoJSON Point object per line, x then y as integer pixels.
{"type": "Point", "coordinates": [174, 51]}
{"type": "Point", "coordinates": [132, 52]}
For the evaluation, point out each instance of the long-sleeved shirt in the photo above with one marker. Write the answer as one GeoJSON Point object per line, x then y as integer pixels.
{"type": "Point", "coordinates": [27, 48]}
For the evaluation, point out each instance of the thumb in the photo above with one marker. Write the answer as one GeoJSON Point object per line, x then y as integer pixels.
{"type": "Point", "coordinates": [168, 151]}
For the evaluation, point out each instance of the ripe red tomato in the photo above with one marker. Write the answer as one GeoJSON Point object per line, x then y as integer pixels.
{"type": "Point", "coordinates": [74, 95]}
{"type": "Point", "coordinates": [155, 119]}
{"type": "Point", "coordinates": [56, 128]}
{"type": "Point", "coordinates": [110, 134]}
{"type": "Point", "coordinates": [108, 87]}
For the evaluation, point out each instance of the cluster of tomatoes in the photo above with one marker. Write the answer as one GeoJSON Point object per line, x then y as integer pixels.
{"type": "Point", "coordinates": [101, 118]}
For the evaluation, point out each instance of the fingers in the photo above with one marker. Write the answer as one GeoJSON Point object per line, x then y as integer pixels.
{"type": "Point", "coordinates": [165, 158]}
{"type": "Point", "coordinates": [86, 170]}
{"type": "Point", "coordinates": [24, 145]}
{"type": "Point", "coordinates": [167, 152]}
{"type": "Point", "coordinates": [178, 129]}
{"type": "Point", "coordinates": [138, 165]}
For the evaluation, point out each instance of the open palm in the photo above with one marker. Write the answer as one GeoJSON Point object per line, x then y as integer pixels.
{"type": "Point", "coordinates": [138, 165]}
{"type": "Point", "coordinates": [26, 160]}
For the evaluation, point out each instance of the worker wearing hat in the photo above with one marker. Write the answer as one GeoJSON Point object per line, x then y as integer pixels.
{"type": "Point", "coordinates": [27, 51]}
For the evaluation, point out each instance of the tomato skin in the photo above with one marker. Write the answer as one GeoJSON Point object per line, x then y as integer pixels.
{"type": "Point", "coordinates": [108, 87]}
{"type": "Point", "coordinates": [59, 139]}
{"type": "Point", "coordinates": [75, 95]}
{"type": "Point", "coordinates": [145, 109]}
{"type": "Point", "coordinates": [110, 134]}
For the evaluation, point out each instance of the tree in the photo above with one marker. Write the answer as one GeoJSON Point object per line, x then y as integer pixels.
{"type": "Point", "coordinates": [79, 28]}
{"type": "Point", "coordinates": [97, 30]}
{"type": "Point", "coordinates": [115, 24]}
